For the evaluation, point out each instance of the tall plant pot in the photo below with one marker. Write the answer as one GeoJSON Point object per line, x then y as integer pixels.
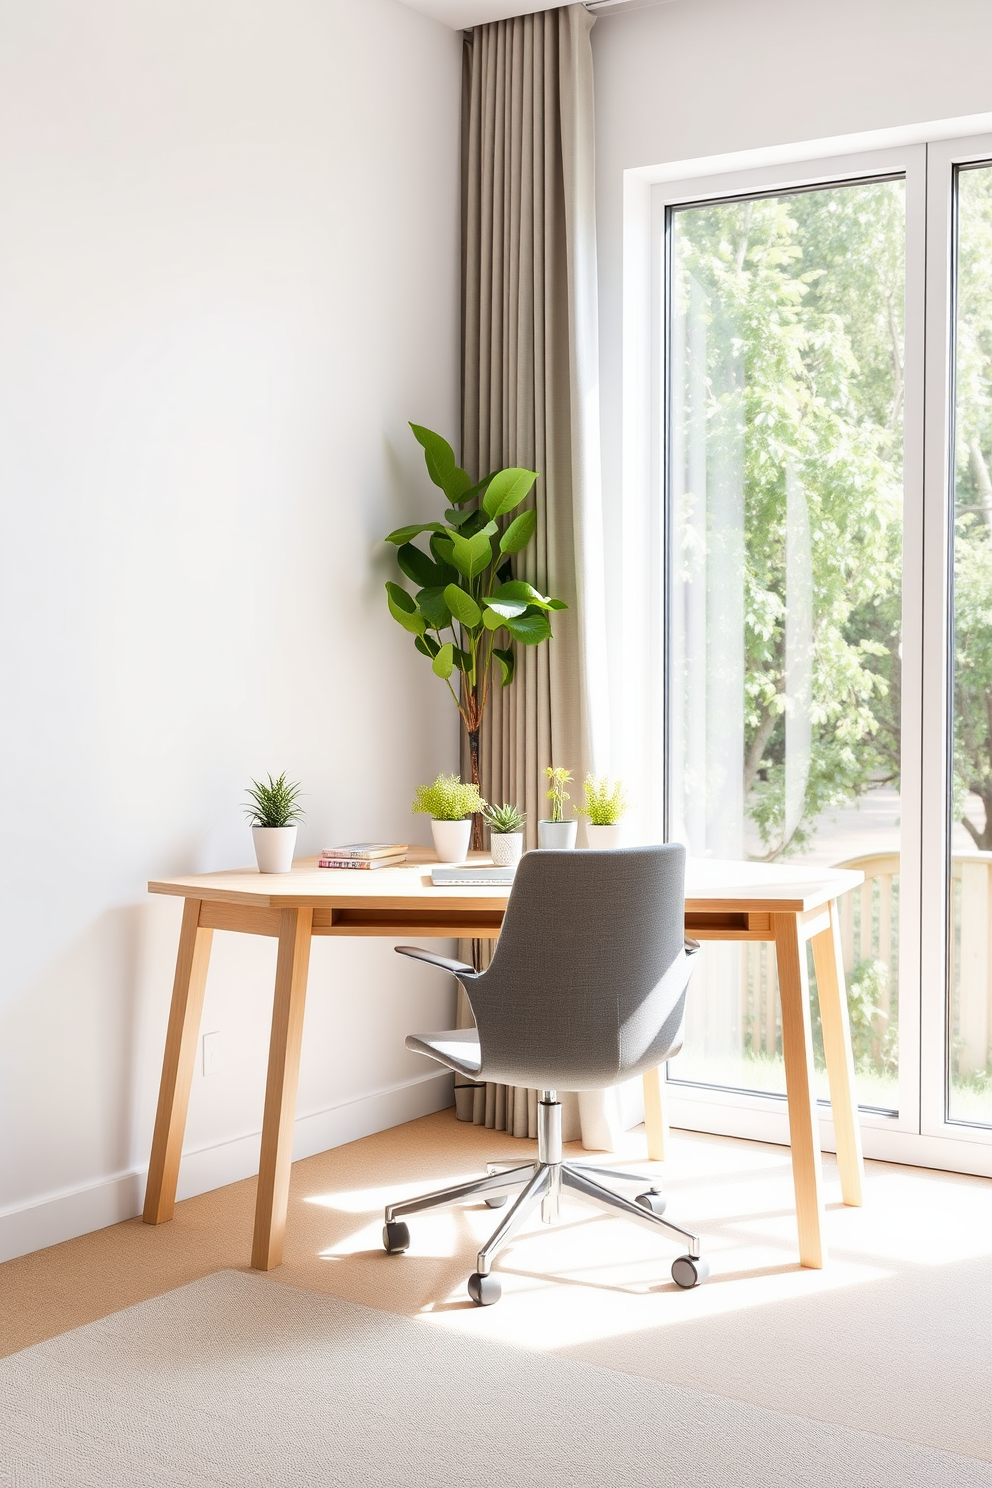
{"type": "Point", "coordinates": [274, 848]}
{"type": "Point", "coordinates": [600, 837]}
{"type": "Point", "coordinates": [451, 839]}
{"type": "Point", "coordinates": [557, 834]}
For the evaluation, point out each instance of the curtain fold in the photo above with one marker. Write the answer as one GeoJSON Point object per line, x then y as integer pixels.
{"type": "Point", "coordinates": [530, 397]}
{"type": "Point", "coordinates": [530, 373]}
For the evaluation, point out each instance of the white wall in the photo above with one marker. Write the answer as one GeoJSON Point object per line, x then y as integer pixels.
{"type": "Point", "coordinates": [697, 78]}
{"type": "Point", "coordinates": [228, 276]}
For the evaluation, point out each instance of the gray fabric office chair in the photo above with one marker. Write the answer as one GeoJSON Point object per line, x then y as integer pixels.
{"type": "Point", "coordinates": [586, 988]}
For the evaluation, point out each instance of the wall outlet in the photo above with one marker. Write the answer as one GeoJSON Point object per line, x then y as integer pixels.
{"type": "Point", "coordinates": [211, 1053]}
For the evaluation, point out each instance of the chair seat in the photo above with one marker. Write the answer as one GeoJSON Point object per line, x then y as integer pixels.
{"type": "Point", "coordinates": [458, 1048]}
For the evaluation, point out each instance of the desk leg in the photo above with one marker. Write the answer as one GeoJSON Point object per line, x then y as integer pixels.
{"type": "Point", "coordinates": [797, 1047]}
{"type": "Point", "coordinates": [829, 963]}
{"type": "Point", "coordinates": [655, 1114]}
{"type": "Point", "coordinates": [280, 1089]}
{"type": "Point", "coordinates": [177, 1066]}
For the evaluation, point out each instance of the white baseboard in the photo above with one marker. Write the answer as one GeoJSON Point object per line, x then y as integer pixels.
{"type": "Point", "coordinates": [768, 1121]}
{"type": "Point", "coordinates": [62, 1216]}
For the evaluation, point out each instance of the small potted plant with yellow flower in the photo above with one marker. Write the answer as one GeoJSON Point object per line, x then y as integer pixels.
{"type": "Point", "coordinates": [557, 830]}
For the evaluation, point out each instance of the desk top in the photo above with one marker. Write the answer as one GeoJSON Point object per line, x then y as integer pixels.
{"type": "Point", "coordinates": [711, 885]}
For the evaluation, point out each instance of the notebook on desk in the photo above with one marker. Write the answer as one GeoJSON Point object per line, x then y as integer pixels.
{"type": "Point", "coordinates": [443, 874]}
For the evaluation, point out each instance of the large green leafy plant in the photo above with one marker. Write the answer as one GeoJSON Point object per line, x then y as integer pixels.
{"type": "Point", "coordinates": [468, 612]}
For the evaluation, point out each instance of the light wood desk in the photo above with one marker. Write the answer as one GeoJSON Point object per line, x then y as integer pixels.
{"type": "Point", "coordinates": [724, 901]}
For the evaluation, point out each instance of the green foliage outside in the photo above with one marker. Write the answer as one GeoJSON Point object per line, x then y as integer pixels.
{"type": "Point", "coordinates": [973, 507]}
{"type": "Point", "coordinates": [274, 803]}
{"type": "Point", "coordinates": [447, 799]}
{"type": "Point", "coordinates": [802, 298]}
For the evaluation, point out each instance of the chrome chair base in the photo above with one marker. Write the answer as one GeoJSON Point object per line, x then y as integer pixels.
{"type": "Point", "coordinates": [541, 1182]}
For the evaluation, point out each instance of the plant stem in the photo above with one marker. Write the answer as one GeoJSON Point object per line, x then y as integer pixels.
{"type": "Point", "coordinates": [473, 747]}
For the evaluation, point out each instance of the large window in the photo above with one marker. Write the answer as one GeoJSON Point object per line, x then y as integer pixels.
{"type": "Point", "coordinates": [808, 459]}
{"type": "Point", "coordinates": [969, 1040]}
{"type": "Point", "coordinates": [785, 538]}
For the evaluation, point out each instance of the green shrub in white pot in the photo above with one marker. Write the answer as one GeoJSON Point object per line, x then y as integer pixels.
{"type": "Point", "coordinates": [274, 809]}
{"type": "Point", "coordinates": [557, 830]}
{"type": "Point", "coordinates": [605, 804]}
{"type": "Point", "coordinates": [506, 834]}
{"type": "Point", "coordinates": [450, 804]}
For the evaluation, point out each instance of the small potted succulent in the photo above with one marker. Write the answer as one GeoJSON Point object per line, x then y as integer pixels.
{"type": "Point", "coordinates": [557, 830]}
{"type": "Point", "coordinates": [606, 802]}
{"type": "Point", "coordinates": [274, 809]}
{"type": "Point", "coordinates": [450, 804]}
{"type": "Point", "coordinates": [506, 831]}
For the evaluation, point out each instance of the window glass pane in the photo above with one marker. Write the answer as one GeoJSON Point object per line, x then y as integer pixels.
{"type": "Point", "coordinates": [969, 1074]}
{"type": "Point", "coordinates": [785, 421]}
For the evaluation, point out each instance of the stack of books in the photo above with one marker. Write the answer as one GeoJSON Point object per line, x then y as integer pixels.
{"type": "Point", "coordinates": [364, 855]}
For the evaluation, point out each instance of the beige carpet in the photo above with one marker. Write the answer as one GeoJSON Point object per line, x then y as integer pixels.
{"type": "Point", "coordinates": [894, 1337]}
{"type": "Point", "coordinates": [236, 1380]}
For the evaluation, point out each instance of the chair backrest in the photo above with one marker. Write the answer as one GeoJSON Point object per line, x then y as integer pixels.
{"type": "Point", "coordinates": [587, 983]}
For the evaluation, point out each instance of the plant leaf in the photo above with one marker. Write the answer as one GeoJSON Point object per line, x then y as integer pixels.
{"type": "Point", "coordinates": [474, 522]}
{"type": "Point", "coordinates": [458, 485]}
{"type": "Point", "coordinates": [441, 464]}
{"type": "Point", "coordinates": [475, 490]}
{"type": "Point", "coordinates": [441, 548]}
{"type": "Point", "coordinates": [439, 455]}
{"type": "Point", "coordinates": [507, 489]}
{"type": "Point", "coordinates": [531, 629]}
{"type": "Point", "coordinates": [520, 591]}
{"type": "Point", "coordinates": [462, 606]}
{"type": "Point", "coordinates": [404, 534]}
{"type": "Point", "coordinates": [504, 655]}
{"type": "Point", "coordinates": [456, 518]}
{"type": "Point", "coordinates": [444, 662]}
{"type": "Point", "coordinates": [503, 610]}
{"type": "Point", "coordinates": [426, 645]}
{"type": "Point", "coordinates": [471, 555]}
{"type": "Point", "coordinates": [519, 532]}
{"type": "Point", "coordinates": [416, 565]}
{"type": "Point", "coordinates": [403, 610]}
{"type": "Point", "coordinates": [463, 661]}
{"type": "Point", "coordinates": [430, 603]}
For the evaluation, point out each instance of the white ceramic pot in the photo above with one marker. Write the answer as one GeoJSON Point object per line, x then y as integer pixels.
{"type": "Point", "coordinates": [507, 847]}
{"type": "Point", "coordinates": [557, 834]}
{"type": "Point", "coordinates": [274, 848]}
{"type": "Point", "coordinates": [600, 837]}
{"type": "Point", "coordinates": [451, 839]}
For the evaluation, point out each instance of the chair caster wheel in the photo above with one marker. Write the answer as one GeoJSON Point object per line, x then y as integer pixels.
{"type": "Point", "coordinates": [484, 1290]}
{"type": "Point", "coordinates": [656, 1202]}
{"type": "Point", "coordinates": [497, 1202]}
{"type": "Point", "coordinates": [689, 1271]}
{"type": "Point", "coordinates": [395, 1236]}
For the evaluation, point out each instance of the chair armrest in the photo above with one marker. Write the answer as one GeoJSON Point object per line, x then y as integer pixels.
{"type": "Point", "coordinates": [691, 946]}
{"type": "Point", "coordinates": [457, 968]}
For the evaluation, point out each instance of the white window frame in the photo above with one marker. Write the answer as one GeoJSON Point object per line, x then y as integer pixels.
{"type": "Point", "coordinates": [925, 158]}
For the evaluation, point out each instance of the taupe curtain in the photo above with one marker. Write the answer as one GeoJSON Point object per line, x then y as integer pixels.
{"type": "Point", "coordinates": [530, 396]}
{"type": "Point", "coordinates": [530, 373]}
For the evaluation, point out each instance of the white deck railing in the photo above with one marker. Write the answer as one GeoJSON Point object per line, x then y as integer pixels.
{"type": "Point", "coordinates": [869, 927]}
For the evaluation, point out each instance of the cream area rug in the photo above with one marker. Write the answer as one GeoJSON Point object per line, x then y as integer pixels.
{"type": "Point", "coordinates": [240, 1380]}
